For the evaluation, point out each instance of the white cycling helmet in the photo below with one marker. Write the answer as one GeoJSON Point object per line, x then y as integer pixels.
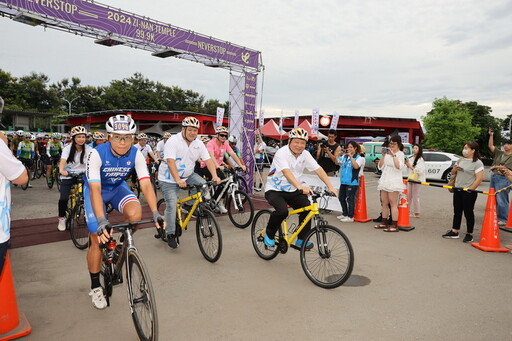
{"type": "Point", "coordinates": [32, 137]}
{"type": "Point", "coordinates": [190, 122]}
{"type": "Point", "coordinates": [121, 124]}
{"type": "Point", "coordinates": [232, 139]}
{"type": "Point", "coordinates": [78, 130]}
{"type": "Point", "coordinates": [167, 135]}
{"type": "Point", "coordinates": [98, 135]}
{"type": "Point", "coordinates": [27, 134]}
{"type": "Point", "coordinates": [57, 136]}
{"type": "Point", "coordinates": [141, 136]}
{"type": "Point", "coordinates": [20, 133]}
{"type": "Point", "coordinates": [298, 133]}
{"type": "Point", "coordinates": [40, 136]}
{"type": "Point", "coordinates": [221, 129]}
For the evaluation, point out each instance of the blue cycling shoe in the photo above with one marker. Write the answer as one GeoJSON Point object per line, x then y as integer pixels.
{"type": "Point", "coordinates": [298, 244]}
{"type": "Point", "coordinates": [268, 242]}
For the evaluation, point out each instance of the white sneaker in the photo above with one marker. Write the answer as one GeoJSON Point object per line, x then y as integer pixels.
{"type": "Point", "coordinates": [222, 208]}
{"type": "Point", "coordinates": [62, 224]}
{"type": "Point", "coordinates": [340, 217]}
{"type": "Point", "coordinates": [98, 299]}
{"type": "Point", "coordinates": [347, 220]}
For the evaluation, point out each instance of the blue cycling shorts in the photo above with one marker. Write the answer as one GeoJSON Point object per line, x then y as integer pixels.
{"type": "Point", "coordinates": [117, 197]}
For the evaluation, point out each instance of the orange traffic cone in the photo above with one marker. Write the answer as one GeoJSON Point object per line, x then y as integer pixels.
{"type": "Point", "coordinates": [490, 235]}
{"type": "Point", "coordinates": [508, 226]}
{"type": "Point", "coordinates": [360, 214]}
{"type": "Point", "coordinates": [404, 223]}
{"type": "Point", "coordinates": [12, 324]}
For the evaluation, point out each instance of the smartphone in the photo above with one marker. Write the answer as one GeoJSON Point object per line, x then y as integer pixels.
{"type": "Point", "coordinates": [384, 151]}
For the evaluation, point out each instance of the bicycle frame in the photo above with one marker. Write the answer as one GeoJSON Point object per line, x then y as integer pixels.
{"type": "Point", "coordinates": [313, 211]}
{"type": "Point", "coordinates": [198, 197]}
{"type": "Point", "coordinates": [229, 184]}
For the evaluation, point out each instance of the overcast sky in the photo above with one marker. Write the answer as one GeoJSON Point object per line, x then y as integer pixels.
{"type": "Point", "coordinates": [360, 57]}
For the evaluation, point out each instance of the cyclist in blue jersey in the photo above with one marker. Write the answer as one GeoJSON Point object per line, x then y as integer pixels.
{"type": "Point", "coordinates": [108, 166]}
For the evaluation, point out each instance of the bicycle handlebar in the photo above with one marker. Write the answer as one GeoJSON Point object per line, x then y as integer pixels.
{"type": "Point", "coordinates": [129, 225]}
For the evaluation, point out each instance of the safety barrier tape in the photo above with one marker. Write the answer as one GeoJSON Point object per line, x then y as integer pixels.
{"type": "Point", "coordinates": [457, 188]}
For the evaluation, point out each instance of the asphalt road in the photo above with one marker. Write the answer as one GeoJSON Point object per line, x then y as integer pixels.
{"type": "Point", "coordinates": [405, 286]}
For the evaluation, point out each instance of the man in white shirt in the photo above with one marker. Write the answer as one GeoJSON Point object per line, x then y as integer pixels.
{"type": "Point", "coordinates": [13, 170]}
{"type": "Point", "coordinates": [284, 188]}
{"type": "Point", "coordinates": [181, 153]}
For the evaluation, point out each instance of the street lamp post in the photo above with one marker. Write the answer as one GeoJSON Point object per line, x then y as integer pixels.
{"type": "Point", "coordinates": [69, 103]}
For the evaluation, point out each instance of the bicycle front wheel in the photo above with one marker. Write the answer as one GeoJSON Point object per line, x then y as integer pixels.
{"type": "Point", "coordinates": [142, 298]}
{"type": "Point", "coordinates": [258, 227]}
{"type": "Point", "coordinates": [161, 206]}
{"type": "Point", "coordinates": [240, 209]}
{"type": "Point", "coordinates": [208, 235]}
{"type": "Point", "coordinates": [78, 227]}
{"type": "Point", "coordinates": [330, 262]}
{"type": "Point", "coordinates": [57, 178]}
{"type": "Point", "coordinates": [25, 186]}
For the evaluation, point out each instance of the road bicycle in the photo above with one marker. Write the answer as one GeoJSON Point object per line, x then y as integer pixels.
{"type": "Point", "coordinates": [238, 203]}
{"type": "Point", "coordinates": [75, 221]}
{"type": "Point", "coordinates": [209, 237]}
{"type": "Point", "coordinates": [28, 163]}
{"type": "Point", "coordinates": [55, 175]}
{"type": "Point", "coordinates": [141, 296]}
{"type": "Point", "coordinates": [331, 260]}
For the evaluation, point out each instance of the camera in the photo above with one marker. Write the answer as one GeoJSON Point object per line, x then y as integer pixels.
{"type": "Point", "coordinates": [323, 143]}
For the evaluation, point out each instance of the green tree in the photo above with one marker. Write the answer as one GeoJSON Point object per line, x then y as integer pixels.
{"type": "Point", "coordinates": [481, 118]}
{"type": "Point", "coordinates": [448, 126]}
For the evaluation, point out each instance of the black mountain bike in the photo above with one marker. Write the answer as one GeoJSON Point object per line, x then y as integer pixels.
{"type": "Point", "coordinates": [141, 296]}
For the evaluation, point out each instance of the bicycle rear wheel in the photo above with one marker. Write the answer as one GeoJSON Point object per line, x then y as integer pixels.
{"type": "Point", "coordinates": [330, 262]}
{"type": "Point", "coordinates": [258, 227]}
{"type": "Point", "coordinates": [240, 209]}
{"type": "Point", "coordinates": [78, 227]}
{"type": "Point", "coordinates": [141, 298]}
{"type": "Point", "coordinates": [208, 235]}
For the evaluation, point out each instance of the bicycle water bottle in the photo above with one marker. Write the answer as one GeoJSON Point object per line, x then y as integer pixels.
{"type": "Point", "coordinates": [111, 248]}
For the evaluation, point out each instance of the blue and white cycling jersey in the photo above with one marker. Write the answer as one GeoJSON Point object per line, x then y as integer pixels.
{"type": "Point", "coordinates": [284, 159]}
{"type": "Point", "coordinates": [111, 170]}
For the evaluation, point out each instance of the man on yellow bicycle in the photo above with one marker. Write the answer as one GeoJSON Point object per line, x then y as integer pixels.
{"type": "Point", "coordinates": [283, 187]}
{"type": "Point", "coordinates": [181, 153]}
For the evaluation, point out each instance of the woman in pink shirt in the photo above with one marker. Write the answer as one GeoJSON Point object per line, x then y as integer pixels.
{"type": "Point", "coordinates": [217, 148]}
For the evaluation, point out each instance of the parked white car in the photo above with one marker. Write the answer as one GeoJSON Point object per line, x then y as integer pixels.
{"type": "Point", "coordinates": [438, 165]}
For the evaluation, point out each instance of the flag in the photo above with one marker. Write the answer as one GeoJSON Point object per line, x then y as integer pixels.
{"type": "Point", "coordinates": [334, 121]}
{"type": "Point", "coordinates": [220, 116]}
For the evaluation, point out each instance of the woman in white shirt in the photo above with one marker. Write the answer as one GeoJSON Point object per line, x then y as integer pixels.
{"type": "Point", "coordinates": [72, 161]}
{"type": "Point", "coordinates": [390, 183]}
{"type": "Point", "coordinates": [416, 164]}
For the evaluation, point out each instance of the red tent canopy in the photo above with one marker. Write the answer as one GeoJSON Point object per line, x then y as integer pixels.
{"type": "Point", "coordinates": [271, 129]}
{"type": "Point", "coordinates": [307, 126]}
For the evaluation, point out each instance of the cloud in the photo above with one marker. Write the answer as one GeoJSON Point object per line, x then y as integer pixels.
{"type": "Point", "coordinates": [388, 58]}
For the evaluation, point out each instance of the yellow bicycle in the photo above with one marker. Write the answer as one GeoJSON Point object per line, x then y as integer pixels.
{"type": "Point", "coordinates": [331, 260]}
{"type": "Point", "coordinates": [75, 221]}
{"type": "Point", "coordinates": [209, 237]}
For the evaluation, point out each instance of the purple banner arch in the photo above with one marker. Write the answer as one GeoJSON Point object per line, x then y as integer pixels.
{"type": "Point", "coordinates": [137, 27]}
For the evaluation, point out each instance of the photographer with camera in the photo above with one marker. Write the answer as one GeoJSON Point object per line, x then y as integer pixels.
{"type": "Point", "coordinates": [328, 152]}
{"type": "Point", "coordinates": [498, 178]}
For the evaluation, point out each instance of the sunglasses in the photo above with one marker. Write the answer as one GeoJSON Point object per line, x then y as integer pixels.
{"type": "Point", "coordinates": [223, 135]}
{"type": "Point", "coordinates": [119, 138]}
